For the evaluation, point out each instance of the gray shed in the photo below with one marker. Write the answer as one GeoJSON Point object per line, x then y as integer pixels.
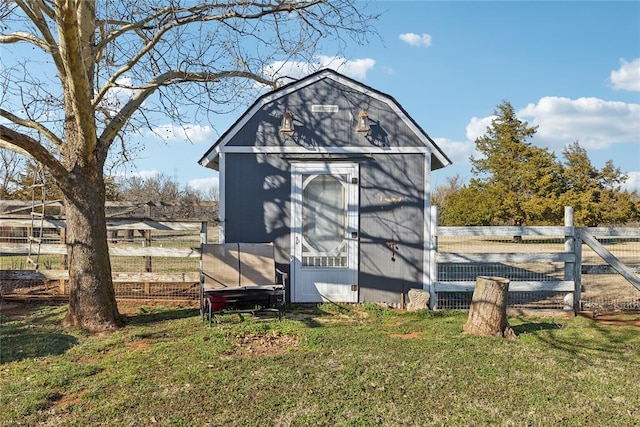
{"type": "Point", "coordinates": [337, 175]}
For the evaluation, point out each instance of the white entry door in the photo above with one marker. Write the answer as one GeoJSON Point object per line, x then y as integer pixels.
{"type": "Point", "coordinates": [324, 234]}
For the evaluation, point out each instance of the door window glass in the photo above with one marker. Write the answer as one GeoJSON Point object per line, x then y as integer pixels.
{"type": "Point", "coordinates": [324, 215]}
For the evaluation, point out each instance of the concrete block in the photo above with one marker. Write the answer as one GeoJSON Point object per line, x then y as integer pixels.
{"type": "Point", "coordinates": [418, 299]}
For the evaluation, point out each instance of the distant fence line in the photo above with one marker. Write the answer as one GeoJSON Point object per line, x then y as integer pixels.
{"type": "Point", "coordinates": [205, 210]}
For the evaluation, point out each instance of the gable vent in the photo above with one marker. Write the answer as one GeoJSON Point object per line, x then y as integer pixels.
{"type": "Point", "coordinates": [317, 108]}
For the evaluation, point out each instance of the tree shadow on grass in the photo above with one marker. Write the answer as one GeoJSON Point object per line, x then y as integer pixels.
{"type": "Point", "coordinates": [17, 344]}
{"type": "Point", "coordinates": [585, 339]}
{"type": "Point", "coordinates": [160, 315]}
{"type": "Point", "coordinates": [30, 331]}
{"type": "Point", "coordinates": [532, 327]}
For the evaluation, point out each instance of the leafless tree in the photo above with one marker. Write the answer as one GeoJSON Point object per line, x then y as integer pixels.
{"type": "Point", "coordinates": [82, 74]}
{"type": "Point", "coordinates": [441, 192]}
{"type": "Point", "coordinates": [11, 164]}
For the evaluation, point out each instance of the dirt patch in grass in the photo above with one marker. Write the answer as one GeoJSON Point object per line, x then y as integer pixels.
{"type": "Point", "coordinates": [16, 309]}
{"type": "Point", "coordinates": [250, 344]}
{"type": "Point", "coordinates": [138, 345]}
{"type": "Point", "coordinates": [408, 336]}
{"type": "Point", "coordinates": [613, 319]}
{"type": "Point", "coordinates": [66, 400]}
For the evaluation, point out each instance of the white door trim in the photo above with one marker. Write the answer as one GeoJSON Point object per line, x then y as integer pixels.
{"type": "Point", "coordinates": [350, 275]}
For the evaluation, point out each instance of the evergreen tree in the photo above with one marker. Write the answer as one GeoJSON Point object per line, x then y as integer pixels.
{"type": "Point", "coordinates": [524, 181]}
{"type": "Point", "coordinates": [595, 195]}
{"type": "Point", "coordinates": [470, 205]}
{"type": "Point", "coordinates": [518, 183]}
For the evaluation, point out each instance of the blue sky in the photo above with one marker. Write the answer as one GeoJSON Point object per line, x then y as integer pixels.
{"type": "Point", "coordinates": [570, 67]}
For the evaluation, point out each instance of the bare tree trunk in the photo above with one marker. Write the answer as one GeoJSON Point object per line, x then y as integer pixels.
{"type": "Point", "coordinates": [92, 302]}
{"type": "Point", "coordinates": [80, 38]}
{"type": "Point", "coordinates": [488, 311]}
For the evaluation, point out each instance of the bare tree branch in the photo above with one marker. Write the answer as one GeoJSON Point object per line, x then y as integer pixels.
{"type": "Point", "coordinates": [24, 144]}
{"type": "Point", "coordinates": [165, 79]}
{"type": "Point", "coordinates": [33, 9]}
{"type": "Point", "coordinates": [37, 126]}
{"type": "Point", "coordinates": [24, 37]}
{"type": "Point", "coordinates": [185, 16]}
{"type": "Point", "coordinates": [11, 164]}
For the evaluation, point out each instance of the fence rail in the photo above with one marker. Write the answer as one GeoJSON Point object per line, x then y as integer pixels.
{"type": "Point", "coordinates": [545, 265]}
{"type": "Point", "coordinates": [150, 259]}
{"type": "Point", "coordinates": [555, 267]}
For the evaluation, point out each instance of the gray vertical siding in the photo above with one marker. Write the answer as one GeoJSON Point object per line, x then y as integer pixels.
{"type": "Point", "coordinates": [258, 193]}
{"type": "Point", "coordinates": [392, 193]}
{"type": "Point", "coordinates": [323, 129]}
{"type": "Point", "coordinates": [391, 214]}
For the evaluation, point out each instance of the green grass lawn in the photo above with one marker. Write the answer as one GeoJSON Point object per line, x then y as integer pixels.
{"type": "Point", "coordinates": [331, 365]}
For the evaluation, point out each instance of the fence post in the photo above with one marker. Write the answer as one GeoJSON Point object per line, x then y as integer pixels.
{"type": "Point", "coordinates": [204, 236]}
{"type": "Point", "coordinates": [147, 243]}
{"type": "Point", "coordinates": [569, 266]}
{"type": "Point", "coordinates": [63, 240]}
{"type": "Point", "coordinates": [204, 239]}
{"type": "Point", "coordinates": [433, 265]}
{"type": "Point", "coordinates": [577, 275]}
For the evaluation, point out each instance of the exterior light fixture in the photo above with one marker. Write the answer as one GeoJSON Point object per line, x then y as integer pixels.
{"type": "Point", "coordinates": [363, 122]}
{"type": "Point", "coordinates": [287, 122]}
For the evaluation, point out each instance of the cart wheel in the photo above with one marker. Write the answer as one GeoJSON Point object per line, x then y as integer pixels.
{"type": "Point", "coordinates": [280, 306]}
{"type": "Point", "coordinates": [209, 311]}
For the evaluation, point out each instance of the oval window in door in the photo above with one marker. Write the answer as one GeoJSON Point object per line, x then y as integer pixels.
{"type": "Point", "coordinates": [324, 218]}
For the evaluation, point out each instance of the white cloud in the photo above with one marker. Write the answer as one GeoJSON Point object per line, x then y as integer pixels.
{"type": "Point", "coordinates": [458, 152]}
{"type": "Point", "coordinates": [116, 97]}
{"type": "Point", "coordinates": [357, 68]}
{"type": "Point", "coordinates": [418, 40]}
{"type": "Point", "coordinates": [206, 185]}
{"type": "Point", "coordinates": [595, 123]}
{"type": "Point", "coordinates": [477, 127]}
{"type": "Point", "coordinates": [194, 133]}
{"type": "Point", "coordinates": [627, 77]}
{"type": "Point", "coordinates": [633, 183]}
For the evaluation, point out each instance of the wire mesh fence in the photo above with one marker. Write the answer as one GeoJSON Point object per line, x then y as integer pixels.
{"type": "Point", "coordinates": [167, 291]}
{"type": "Point", "coordinates": [161, 260]}
{"type": "Point", "coordinates": [473, 247]}
{"type": "Point", "coordinates": [602, 288]}
{"type": "Point", "coordinates": [158, 264]}
{"type": "Point", "coordinates": [516, 300]}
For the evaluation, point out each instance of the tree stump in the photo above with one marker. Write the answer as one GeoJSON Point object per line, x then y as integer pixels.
{"type": "Point", "coordinates": [488, 311]}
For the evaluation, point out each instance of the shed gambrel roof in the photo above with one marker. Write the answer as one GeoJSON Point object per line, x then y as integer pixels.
{"type": "Point", "coordinates": [325, 106]}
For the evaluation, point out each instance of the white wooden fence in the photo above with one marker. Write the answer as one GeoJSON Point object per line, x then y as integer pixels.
{"type": "Point", "coordinates": [553, 264]}
{"type": "Point", "coordinates": [151, 259]}
{"type": "Point", "coordinates": [547, 260]}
